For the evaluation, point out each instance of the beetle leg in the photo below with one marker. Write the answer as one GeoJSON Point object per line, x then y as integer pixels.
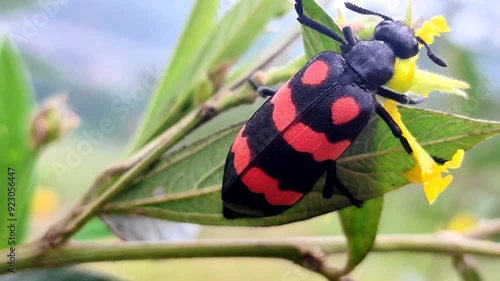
{"type": "Point", "coordinates": [332, 181]}
{"type": "Point", "coordinates": [265, 91]}
{"type": "Point", "coordinates": [350, 36]}
{"type": "Point", "coordinates": [329, 183]}
{"type": "Point", "coordinates": [262, 90]}
{"type": "Point", "coordinates": [396, 131]}
{"type": "Point", "coordinates": [401, 98]}
{"type": "Point", "coordinates": [439, 160]}
{"type": "Point", "coordinates": [314, 25]}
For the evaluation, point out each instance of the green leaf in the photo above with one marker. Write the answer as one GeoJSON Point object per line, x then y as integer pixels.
{"type": "Point", "coordinates": [315, 42]}
{"type": "Point", "coordinates": [195, 33]}
{"type": "Point", "coordinates": [16, 103]}
{"type": "Point", "coordinates": [58, 274]}
{"type": "Point", "coordinates": [360, 227]}
{"type": "Point", "coordinates": [239, 29]}
{"type": "Point", "coordinates": [185, 185]}
{"type": "Point", "coordinates": [221, 47]}
{"type": "Point", "coordinates": [201, 21]}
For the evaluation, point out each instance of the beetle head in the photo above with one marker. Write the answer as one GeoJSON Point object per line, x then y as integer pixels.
{"type": "Point", "coordinates": [399, 36]}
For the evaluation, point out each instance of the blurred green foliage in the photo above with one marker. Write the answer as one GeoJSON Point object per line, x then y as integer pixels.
{"type": "Point", "coordinates": [10, 6]}
{"type": "Point", "coordinates": [217, 46]}
{"type": "Point", "coordinates": [16, 147]}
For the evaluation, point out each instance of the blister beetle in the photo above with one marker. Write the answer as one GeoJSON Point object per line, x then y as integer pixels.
{"type": "Point", "coordinates": [314, 117]}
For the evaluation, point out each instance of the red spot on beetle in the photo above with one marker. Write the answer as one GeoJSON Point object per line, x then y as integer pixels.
{"type": "Point", "coordinates": [255, 179]}
{"type": "Point", "coordinates": [344, 110]}
{"type": "Point", "coordinates": [241, 152]}
{"type": "Point", "coordinates": [284, 112]}
{"type": "Point", "coordinates": [259, 182]}
{"type": "Point", "coordinates": [316, 73]}
{"type": "Point", "coordinates": [304, 139]}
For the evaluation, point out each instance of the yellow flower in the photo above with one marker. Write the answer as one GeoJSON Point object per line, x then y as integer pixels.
{"type": "Point", "coordinates": [407, 78]}
{"type": "Point", "coordinates": [45, 203]}
{"type": "Point", "coordinates": [432, 28]}
{"type": "Point", "coordinates": [425, 82]}
{"type": "Point", "coordinates": [404, 73]}
{"type": "Point", "coordinates": [462, 222]}
{"type": "Point", "coordinates": [426, 171]}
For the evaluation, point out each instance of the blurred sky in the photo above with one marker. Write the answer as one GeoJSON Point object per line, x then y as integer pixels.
{"type": "Point", "coordinates": [103, 43]}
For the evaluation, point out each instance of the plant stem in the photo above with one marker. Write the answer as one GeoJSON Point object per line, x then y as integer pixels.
{"type": "Point", "coordinates": [440, 243]}
{"type": "Point", "coordinates": [63, 230]}
{"type": "Point", "coordinates": [483, 230]}
{"type": "Point", "coordinates": [308, 252]}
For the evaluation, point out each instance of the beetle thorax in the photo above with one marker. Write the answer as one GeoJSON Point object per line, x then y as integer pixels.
{"type": "Point", "coordinates": [373, 61]}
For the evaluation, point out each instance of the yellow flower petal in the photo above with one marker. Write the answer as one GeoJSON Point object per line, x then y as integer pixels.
{"type": "Point", "coordinates": [426, 171]}
{"type": "Point", "coordinates": [404, 72]}
{"type": "Point", "coordinates": [432, 28]}
{"type": "Point", "coordinates": [425, 82]}
{"type": "Point", "coordinates": [407, 78]}
{"type": "Point", "coordinates": [434, 184]}
{"type": "Point", "coordinates": [456, 160]}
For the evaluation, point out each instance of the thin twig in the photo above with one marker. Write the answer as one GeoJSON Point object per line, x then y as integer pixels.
{"type": "Point", "coordinates": [308, 252]}
{"type": "Point", "coordinates": [484, 229]}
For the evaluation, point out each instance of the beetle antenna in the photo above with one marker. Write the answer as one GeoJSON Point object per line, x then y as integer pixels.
{"type": "Point", "coordinates": [314, 25]}
{"type": "Point", "coordinates": [364, 11]}
{"type": "Point", "coordinates": [437, 60]}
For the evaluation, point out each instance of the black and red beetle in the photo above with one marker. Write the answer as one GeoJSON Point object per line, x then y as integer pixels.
{"type": "Point", "coordinates": [299, 133]}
